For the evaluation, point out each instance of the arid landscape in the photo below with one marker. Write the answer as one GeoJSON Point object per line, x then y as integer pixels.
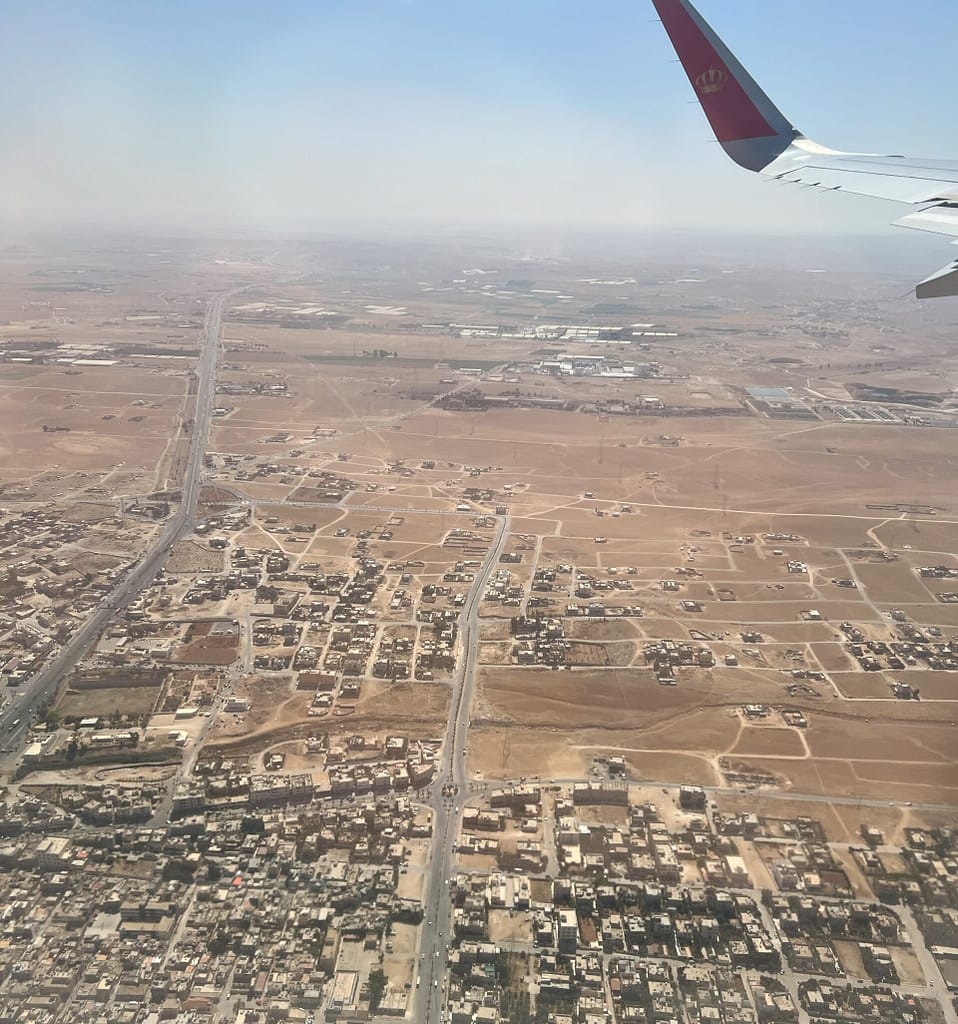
{"type": "Point", "coordinates": [420, 524]}
{"type": "Point", "coordinates": [636, 454]}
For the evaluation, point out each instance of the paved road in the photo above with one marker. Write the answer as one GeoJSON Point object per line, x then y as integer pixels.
{"type": "Point", "coordinates": [42, 686]}
{"type": "Point", "coordinates": [929, 965]}
{"type": "Point", "coordinates": [672, 789]}
{"type": "Point", "coordinates": [344, 506]}
{"type": "Point", "coordinates": [756, 794]}
{"type": "Point", "coordinates": [446, 808]}
{"type": "Point", "coordinates": [451, 790]}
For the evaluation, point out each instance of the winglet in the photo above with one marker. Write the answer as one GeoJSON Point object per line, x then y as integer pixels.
{"type": "Point", "coordinates": [749, 126]}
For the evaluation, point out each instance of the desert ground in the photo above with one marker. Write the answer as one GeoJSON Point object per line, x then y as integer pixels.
{"type": "Point", "coordinates": [394, 411]}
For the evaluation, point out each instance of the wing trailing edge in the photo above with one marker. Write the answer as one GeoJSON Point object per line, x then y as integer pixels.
{"type": "Point", "coordinates": [758, 137]}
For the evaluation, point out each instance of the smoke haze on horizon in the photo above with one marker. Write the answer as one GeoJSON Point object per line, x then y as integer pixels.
{"type": "Point", "coordinates": [404, 112]}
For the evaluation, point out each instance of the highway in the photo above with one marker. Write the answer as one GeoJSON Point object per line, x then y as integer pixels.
{"type": "Point", "coordinates": [447, 797]}
{"type": "Point", "coordinates": [42, 686]}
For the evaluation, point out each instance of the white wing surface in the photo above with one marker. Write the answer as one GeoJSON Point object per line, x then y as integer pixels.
{"type": "Point", "coordinates": [757, 136]}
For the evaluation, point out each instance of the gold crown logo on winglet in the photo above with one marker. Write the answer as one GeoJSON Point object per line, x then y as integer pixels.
{"type": "Point", "coordinates": [711, 81]}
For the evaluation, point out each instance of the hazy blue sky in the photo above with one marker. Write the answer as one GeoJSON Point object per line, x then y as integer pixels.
{"type": "Point", "coordinates": [450, 111]}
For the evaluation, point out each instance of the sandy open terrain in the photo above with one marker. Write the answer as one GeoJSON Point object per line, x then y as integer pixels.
{"type": "Point", "coordinates": [703, 490]}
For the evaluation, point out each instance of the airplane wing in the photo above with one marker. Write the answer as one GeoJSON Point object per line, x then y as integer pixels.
{"type": "Point", "coordinates": [757, 136]}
